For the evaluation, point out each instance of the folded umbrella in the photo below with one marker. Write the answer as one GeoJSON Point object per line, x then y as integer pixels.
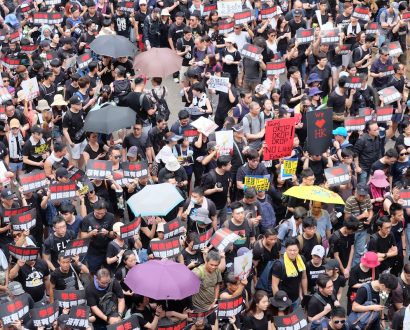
{"type": "Point", "coordinates": [162, 280]}
{"type": "Point", "coordinates": [158, 62]}
{"type": "Point", "coordinates": [108, 119]}
{"type": "Point", "coordinates": [113, 46]}
{"type": "Point", "coordinates": [314, 193]}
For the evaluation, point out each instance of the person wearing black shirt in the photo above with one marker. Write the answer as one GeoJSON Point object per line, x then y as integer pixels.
{"type": "Point", "coordinates": [140, 140]}
{"type": "Point", "coordinates": [93, 15]}
{"type": "Point", "coordinates": [123, 23]}
{"type": "Point", "coordinates": [337, 319]}
{"type": "Point", "coordinates": [185, 48]}
{"type": "Point", "coordinates": [265, 250]}
{"type": "Point", "coordinates": [309, 238]}
{"type": "Point", "coordinates": [315, 267]}
{"type": "Point", "coordinates": [138, 101]}
{"type": "Point", "coordinates": [297, 22]}
{"type": "Point", "coordinates": [176, 30]}
{"type": "Point", "coordinates": [361, 56]}
{"type": "Point", "coordinates": [31, 159]}
{"type": "Point", "coordinates": [322, 302]}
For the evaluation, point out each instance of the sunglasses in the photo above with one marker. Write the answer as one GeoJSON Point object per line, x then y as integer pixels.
{"type": "Point", "coordinates": [16, 235]}
{"type": "Point", "coordinates": [404, 154]}
{"type": "Point", "coordinates": [339, 321]}
{"type": "Point", "coordinates": [117, 157]}
{"type": "Point", "coordinates": [6, 80]}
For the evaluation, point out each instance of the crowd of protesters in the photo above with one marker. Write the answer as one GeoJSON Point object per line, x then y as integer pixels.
{"type": "Point", "coordinates": [347, 266]}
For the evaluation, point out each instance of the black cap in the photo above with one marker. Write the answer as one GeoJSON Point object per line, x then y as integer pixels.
{"type": "Point", "coordinates": [75, 99]}
{"type": "Point", "coordinates": [62, 172]}
{"type": "Point", "coordinates": [297, 12]}
{"type": "Point", "coordinates": [361, 189]}
{"type": "Point", "coordinates": [7, 194]}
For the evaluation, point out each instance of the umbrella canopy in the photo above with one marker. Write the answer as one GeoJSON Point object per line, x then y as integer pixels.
{"type": "Point", "coordinates": [113, 46]}
{"type": "Point", "coordinates": [109, 119]}
{"type": "Point", "coordinates": [314, 193]}
{"type": "Point", "coordinates": [155, 200]}
{"type": "Point", "coordinates": [158, 62]}
{"type": "Point", "coordinates": [162, 280]}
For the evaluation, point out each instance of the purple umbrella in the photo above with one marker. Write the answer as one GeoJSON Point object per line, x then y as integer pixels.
{"type": "Point", "coordinates": [162, 280]}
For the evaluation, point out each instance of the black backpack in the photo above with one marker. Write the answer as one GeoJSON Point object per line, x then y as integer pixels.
{"type": "Point", "coordinates": [108, 302]}
{"type": "Point", "coordinates": [161, 103]}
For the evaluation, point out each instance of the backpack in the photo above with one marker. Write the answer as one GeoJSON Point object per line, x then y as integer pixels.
{"type": "Point", "coordinates": [107, 303]}
{"type": "Point", "coordinates": [121, 89]}
{"type": "Point", "coordinates": [265, 279]}
{"type": "Point", "coordinates": [268, 214]}
{"type": "Point", "coordinates": [363, 321]}
{"type": "Point", "coordinates": [323, 323]}
{"type": "Point", "coordinates": [211, 174]}
{"type": "Point", "coordinates": [332, 240]}
{"type": "Point", "coordinates": [162, 105]}
{"type": "Point", "coordinates": [249, 118]}
{"type": "Point", "coordinates": [302, 241]}
{"type": "Point", "coordinates": [379, 15]}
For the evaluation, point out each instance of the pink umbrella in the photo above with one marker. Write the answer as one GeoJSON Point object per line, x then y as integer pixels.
{"type": "Point", "coordinates": [158, 62]}
{"type": "Point", "coordinates": [162, 280]}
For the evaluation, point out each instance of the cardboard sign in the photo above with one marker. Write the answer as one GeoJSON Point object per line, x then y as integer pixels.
{"type": "Point", "coordinates": [14, 310]}
{"type": "Point", "coordinates": [224, 140]}
{"type": "Point", "coordinates": [279, 138]}
{"type": "Point", "coordinates": [405, 196]}
{"type": "Point", "coordinates": [15, 36]}
{"type": "Point", "coordinates": [196, 315]}
{"type": "Point", "coordinates": [405, 16]}
{"type": "Point", "coordinates": [330, 36]}
{"type": "Point", "coordinates": [47, 18]}
{"type": "Point", "coordinates": [24, 253]}
{"type": "Point", "coordinates": [77, 247]}
{"type": "Point", "coordinates": [361, 13]}
{"type": "Point", "coordinates": [372, 28]}
{"type": "Point", "coordinates": [63, 191]}
{"type": "Point", "coordinates": [30, 88]}
{"type": "Point", "coordinates": [130, 323]}
{"type": "Point", "coordinates": [52, 2]}
{"type": "Point", "coordinates": [11, 62]}
{"type": "Point", "coordinates": [252, 52]}
{"type": "Point", "coordinates": [319, 127]}
{"type": "Point", "coordinates": [225, 27]}
{"type": "Point", "coordinates": [384, 114]}
{"type": "Point", "coordinates": [219, 83]}
{"type": "Point", "coordinates": [98, 169]}
{"type": "Point", "coordinates": [42, 148]}
{"type": "Point", "coordinates": [78, 317]}
{"type": "Point", "coordinates": [337, 175]}
{"type": "Point", "coordinates": [190, 133]}
{"type": "Point", "coordinates": [367, 113]}
{"type": "Point", "coordinates": [267, 13]}
{"type": "Point", "coordinates": [204, 125]}
{"type": "Point", "coordinates": [127, 6]}
{"type": "Point", "coordinates": [288, 168]}
{"type": "Point", "coordinates": [222, 238]}
{"type": "Point", "coordinates": [28, 49]}
{"type": "Point", "coordinates": [24, 221]}
{"type": "Point", "coordinates": [243, 265]}
{"type": "Point", "coordinates": [135, 169]}
{"type": "Point", "coordinates": [208, 8]}
{"type": "Point", "coordinates": [259, 182]}
{"type": "Point", "coordinates": [345, 49]}
{"type": "Point", "coordinates": [25, 7]}
{"type": "Point", "coordinates": [305, 36]}
{"type": "Point", "coordinates": [242, 17]}
{"type": "Point", "coordinates": [84, 60]}
{"type": "Point", "coordinates": [7, 213]}
{"type": "Point", "coordinates": [277, 67]}
{"type": "Point", "coordinates": [166, 248]}
{"type": "Point", "coordinates": [118, 176]}
{"type": "Point", "coordinates": [395, 49]}
{"type": "Point", "coordinates": [69, 298]}
{"type": "Point", "coordinates": [355, 123]}
{"type": "Point", "coordinates": [293, 321]}
{"type": "Point", "coordinates": [389, 71]}
{"type": "Point", "coordinates": [230, 307]}
{"type": "Point", "coordinates": [201, 240]}
{"type": "Point", "coordinates": [390, 95]}
{"type": "Point", "coordinates": [354, 82]}
{"type": "Point", "coordinates": [173, 228]}
{"type": "Point", "coordinates": [174, 326]}
{"type": "Point", "coordinates": [45, 315]}
{"type": "Point", "coordinates": [229, 7]}
{"type": "Point", "coordinates": [130, 229]}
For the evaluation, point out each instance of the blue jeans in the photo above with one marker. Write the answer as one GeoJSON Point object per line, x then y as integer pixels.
{"type": "Point", "coordinates": [359, 246]}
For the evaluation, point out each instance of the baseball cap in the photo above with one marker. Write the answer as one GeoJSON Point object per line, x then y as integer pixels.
{"type": "Point", "coordinates": [16, 288]}
{"type": "Point", "coordinates": [318, 250]}
{"type": "Point", "coordinates": [116, 228]}
{"type": "Point", "coordinates": [297, 12]}
{"type": "Point", "coordinates": [331, 264]}
{"type": "Point", "coordinates": [7, 194]}
{"type": "Point", "coordinates": [62, 172]}
{"type": "Point", "coordinates": [237, 128]}
{"type": "Point", "coordinates": [14, 123]}
{"type": "Point", "coordinates": [340, 131]}
{"type": "Point", "coordinates": [132, 151]}
{"type": "Point", "coordinates": [361, 189]}
{"type": "Point", "coordinates": [75, 99]}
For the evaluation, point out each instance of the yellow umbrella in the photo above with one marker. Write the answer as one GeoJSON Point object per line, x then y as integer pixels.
{"type": "Point", "coordinates": [314, 193]}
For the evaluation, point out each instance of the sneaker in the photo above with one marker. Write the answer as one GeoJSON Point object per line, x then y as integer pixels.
{"type": "Point", "coordinates": [176, 80]}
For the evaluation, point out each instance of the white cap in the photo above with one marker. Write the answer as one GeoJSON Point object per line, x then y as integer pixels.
{"type": "Point", "coordinates": [318, 250]}
{"type": "Point", "coordinates": [230, 38]}
{"type": "Point", "coordinates": [142, 2]}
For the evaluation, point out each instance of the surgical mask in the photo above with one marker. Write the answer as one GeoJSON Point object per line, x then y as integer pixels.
{"type": "Point", "coordinates": [194, 200]}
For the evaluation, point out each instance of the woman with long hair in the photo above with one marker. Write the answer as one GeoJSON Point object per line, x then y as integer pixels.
{"type": "Point", "coordinates": [282, 35]}
{"type": "Point", "coordinates": [256, 317]}
{"type": "Point", "coordinates": [128, 261]}
{"type": "Point", "coordinates": [192, 258]}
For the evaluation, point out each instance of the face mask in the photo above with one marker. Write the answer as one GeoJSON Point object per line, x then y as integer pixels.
{"type": "Point", "coordinates": [194, 200]}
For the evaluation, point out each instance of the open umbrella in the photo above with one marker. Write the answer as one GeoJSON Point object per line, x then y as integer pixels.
{"type": "Point", "coordinates": [155, 200]}
{"type": "Point", "coordinates": [113, 46]}
{"type": "Point", "coordinates": [158, 62]}
{"type": "Point", "coordinates": [314, 193]}
{"type": "Point", "coordinates": [162, 280]}
{"type": "Point", "coordinates": [109, 119]}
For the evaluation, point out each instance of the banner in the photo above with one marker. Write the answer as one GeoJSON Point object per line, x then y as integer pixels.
{"type": "Point", "coordinates": [130, 323]}
{"type": "Point", "coordinates": [330, 36]}
{"type": "Point", "coordinates": [277, 67]}
{"type": "Point", "coordinates": [222, 238]}
{"type": "Point", "coordinates": [226, 27]}
{"type": "Point", "coordinates": [337, 175]}
{"type": "Point", "coordinates": [68, 298]}
{"type": "Point", "coordinates": [28, 49]}
{"type": "Point", "coordinates": [127, 6]}
{"type": "Point", "coordinates": [84, 60]}
{"type": "Point", "coordinates": [259, 182]}
{"type": "Point", "coordinates": [361, 13]}
{"type": "Point", "coordinates": [78, 317]}
{"type": "Point", "coordinates": [14, 310]}
{"type": "Point", "coordinates": [252, 52]}
{"type": "Point", "coordinates": [390, 95]}
{"type": "Point", "coordinates": [355, 123]}
{"type": "Point", "coordinates": [384, 114]}
{"type": "Point", "coordinates": [24, 253]}
{"type": "Point", "coordinates": [196, 315]}
{"type": "Point", "coordinates": [208, 8]}
{"type": "Point", "coordinates": [367, 113]}
{"type": "Point", "coordinates": [63, 191]}
{"type": "Point", "coordinates": [224, 140]}
{"type": "Point", "coordinates": [204, 125]}
{"type": "Point", "coordinates": [15, 36]}
{"type": "Point", "coordinates": [405, 197]}
{"type": "Point", "coordinates": [118, 176]}
{"type": "Point", "coordinates": [267, 13]}
{"type": "Point", "coordinates": [24, 221]}
{"type": "Point", "coordinates": [243, 265]}
{"type": "Point", "coordinates": [230, 307]}
{"type": "Point", "coordinates": [229, 7]}
{"type": "Point", "coordinates": [25, 7]}
{"type": "Point", "coordinates": [279, 138]}
{"type": "Point", "coordinates": [405, 16]}
{"type": "Point", "coordinates": [135, 169]}
{"type": "Point", "coordinates": [201, 240]}
{"type": "Point", "coordinates": [30, 88]}
{"type": "Point", "coordinates": [47, 18]}
{"type": "Point", "coordinates": [395, 49]}
{"type": "Point", "coordinates": [130, 229]}
{"type": "Point", "coordinates": [219, 84]}
{"type": "Point", "coordinates": [7, 213]}
{"type": "Point", "coordinates": [288, 168]}
{"type": "Point", "coordinates": [345, 49]}
{"type": "Point", "coordinates": [389, 71]}
{"type": "Point", "coordinates": [372, 28]}
{"type": "Point", "coordinates": [243, 17]}
{"type": "Point", "coordinates": [293, 321]}
{"type": "Point", "coordinates": [353, 82]}
{"type": "Point", "coordinates": [98, 169]}
{"type": "Point", "coordinates": [319, 129]}
{"type": "Point", "coordinates": [173, 228]}
{"type": "Point", "coordinates": [166, 248]}
{"type": "Point", "coordinates": [77, 247]}
{"type": "Point", "coordinates": [45, 315]}
{"type": "Point", "coordinates": [181, 325]}
{"type": "Point", "coordinates": [11, 62]}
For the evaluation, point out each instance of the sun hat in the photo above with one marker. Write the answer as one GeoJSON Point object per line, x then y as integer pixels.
{"type": "Point", "coordinates": [58, 100]}
{"type": "Point", "coordinates": [314, 91]}
{"type": "Point", "coordinates": [42, 105]}
{"type": "Point", "coordinates": [379, 179]}
{"type": "Point", "coordinates": [172, 164]}
{"type": "Point", "coordinates": [370, 260]}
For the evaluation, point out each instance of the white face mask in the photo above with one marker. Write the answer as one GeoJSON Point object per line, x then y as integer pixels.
{"type": "Point", "coordinates": [194, 200]}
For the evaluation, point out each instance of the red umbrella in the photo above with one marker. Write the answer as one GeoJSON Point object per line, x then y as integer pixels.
{"type": "Point", "coordinates": [158, 62]}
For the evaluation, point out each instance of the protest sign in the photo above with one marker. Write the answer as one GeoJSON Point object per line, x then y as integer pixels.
{"type": "Point", "coordinates": [3, 171]}
{"type": "Point", "coordinates": [4, 95]}
{"type": "Point", "coordinates": [208, 8]}
{"type": "Point", "coordinates": [78, 317]}
{"type": "Point", "coordinates": [166, 248]}
{"type": "Point", "coordinates": [337, 175]}
{"type": "Point", "coordinates": [25, 7]}
{"type": "Point", "coordinates": [267, 13]}
{"type": "Point", "coordinates": [14, 310]}
{"type": "Point", "coordinates": [305, 36]}
{"type": "Point", "coordinates": [252, 52]}
{"type": "Point", "coordinates": [288, 168]}
{"type": "Point", "coordinates": [229, 7]}
{"type": "Point", "coordinates": [387, 71]}
{"type": "Point", "coordinates": [135, 169]}
{"type": "Point", "coordinates": [196, 315]}
{"type": "Point", "coordinates": [384, 114]}
{"type": "Point", "coordinates": [98, 169]}
{"type": "Point", "coordinates": [130, 229]}
{"type": "Point", "coordinates": [277, 67]}
{"type": "Point", "coordinates": [45, 315]}
{"type": "Point", "coordinates": [319, 129]}
{"type": "Point", "coordinates": [279, 138]}
{"type": "Point", "coordinates": [63, 191]}
{"type": "Point", "coordinates": [201, 240]}
{"type": "Point", "coordinates": [243, 17]}
{"type": "Point", "coordinates": [224, 141]}
{"type": "Point", "coordinates": [395, 49]}
{"type": "Point", "coordinates": [293, 321]}
{"type": "Point", "coordinates": [367, 113]}
{"type": "Point", "coordinates": [204, 125]}
{"type": "Point", "coordinates": [42, 148]}
{"type": "Point", "coordinates": [180, 325]}
{"type": "Point", "coordinates": [28, 49]}
{"type": "Point", "coordinates": [52, 2]}
{"type": "Point", "coordinates": [405, 197]}
{"type": "Point", "coordinates": [47, 18]}
{"type": "Point", "coordinates": [68, 298]}
{"type": "Point", "coordinates": [226, 27]}
{"type": "Point", "coordinates": [77, 247]}
{"type": "Point", "coordinates": [130, 323]}
{"type": "Point", "coordinates": [83, 60]}
{"type": "Point", "coordinates": [7, 213]}
{"type": "Point", "coordinates": [11, 62]}
{"type": "Point", "coordinates": [76, 174]}
{"type": "Point", "coordinates": [222, 238]}
{"type": "Point", "coordinates": [219, 83]}
{"type": "Point", "coordinates": [345, 49]}
{"type": "Point", "coordinates": [243, 265]}
{"type": "Point", "coordinates": [15, 36]}
{"type": "Point", "coordinates": [173, 228]}
{"type": "Point", "coordinates": [372, 28]}
{"type": "Point", "coordinates": [353, 82]}
{"type": "Point", "coordinates": [362, 13]}
{"type": "Point", "coordinates": [230, 307]}
{"type": "Point", "coordinates": [24, 221]}
{"type": "Point", "coordinates": [30, 88]}
{"type": "Point", "coordinates": [330, 36]}
{"type": "Point", "coordinates": [190, 133]}
{"type": "Point", "coordinates": [118, 176]}
{"type": "Point", "coordinates": [405, 16]}
{"type": "Point", "coordinates": [24, 253]}
{"type": "Point", "coordinates": [355, 123]}
{"type": "Point", "coordinates": [390, 95]}
{"type": "Point", "coordinates": [259, 182]}
{"type": "Point", "coordinates": [127, 6]}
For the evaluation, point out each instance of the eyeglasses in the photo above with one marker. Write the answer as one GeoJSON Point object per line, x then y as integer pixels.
{"type": "Point", "coordinates": [339, 321]}
{"type": "Point", "coordinates": [16, 235]}
{"type": "Point", "coordinates": [404, 154]}
{"type": "Point", "coordinates": [117, 157]}
{"type": "Point", "coordinates": [6, 80]}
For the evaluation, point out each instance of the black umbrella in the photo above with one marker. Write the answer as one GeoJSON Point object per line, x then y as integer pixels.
{"type": "Point", "coordinates": [109, 119]}
{"type": "Point", "coordinates": [113, 46]}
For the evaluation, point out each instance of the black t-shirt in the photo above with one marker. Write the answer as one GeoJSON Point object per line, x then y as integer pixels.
{"type": "Point", "coordinates": [294, 26]}
{"type": "Point", "coordinates": [308, 245]}
{"type": "Point", "coordinates": [53, 245]}
{"type": "Point", "coordinates": [98, 244]}
{"type": "Point", "coordinates": [219, 198]}
{"type": "Point", "coordinates": [380, 244]}
{"type": "Point", "coordinates": [175, 32]}
{"type": "Point", "coordinates": [343, 246]}
{"type": "Point", "coordinates": [28, 150]}
{"type": "Point", "coordinates": [359, 54]}
{"type": "Point", "coordinates": [122, 25]}
{"type": "Point", "coordinates": [361, 296]}
{"type": "Point", "coordinates": [32, 279]}
{"type": "Point", "coordinates": [290, 285]}
{"type": "Point", "coordinates": [315, 306]}
{"type": "Point", "coordinates": [337, 102]}
{"type": "Point", "coordinates": [245, 232]}
{"type": "Point", "coordinates": [142, 143]}
{"type": "Point", "coordinates": [181, 46]}
{"type": "Point", "coordinates": [188, 257]}
{"type": "Point", "coordinates": [65, 281]}
{"type": "Point", "coordinates": [132, 100]}
{"type": "Point", "coordinates": [312, 273]}
{"type": "Point", "coordinates": [74, 122]}
{"type": "Point", "coordinates": [357, 275]}
{"type": "Point", "coordinates": [263, 255]}
{"type": "Point", "coordinates": [252, 323]}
